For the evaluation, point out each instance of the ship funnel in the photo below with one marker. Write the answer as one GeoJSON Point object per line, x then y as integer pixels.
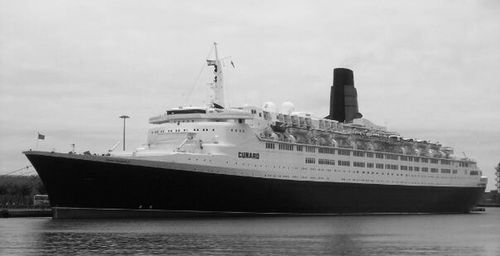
{"type": "Point", "coordinates": [343, 97]}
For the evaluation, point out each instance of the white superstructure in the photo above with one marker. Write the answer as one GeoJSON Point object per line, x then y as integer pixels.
{"type": "Point", "coordinates": [286, 144]}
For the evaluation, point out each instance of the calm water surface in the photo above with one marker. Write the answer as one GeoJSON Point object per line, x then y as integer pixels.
{"type": "Point", "coordinates": [457, 234]}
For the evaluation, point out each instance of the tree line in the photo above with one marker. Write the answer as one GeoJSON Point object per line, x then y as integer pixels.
{"type": "Point", "coordinates": [18, 191]}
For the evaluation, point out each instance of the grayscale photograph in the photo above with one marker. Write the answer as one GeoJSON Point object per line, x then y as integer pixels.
{"type": "Point", "coordinates": [250, 127]}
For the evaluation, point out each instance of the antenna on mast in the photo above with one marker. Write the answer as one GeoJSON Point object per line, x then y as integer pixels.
{"type": "Point", "coordinates": [218, 83]}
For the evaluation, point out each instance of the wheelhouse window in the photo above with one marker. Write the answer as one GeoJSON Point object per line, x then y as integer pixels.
{"type": "Point", "coordinates": [186, 111]}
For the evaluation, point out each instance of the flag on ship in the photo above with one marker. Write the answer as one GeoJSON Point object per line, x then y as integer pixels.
{"type": "Point", "coordinates": [41, 136]}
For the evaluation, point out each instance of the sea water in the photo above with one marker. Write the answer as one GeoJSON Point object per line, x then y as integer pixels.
{"type": "Point", "coordinates": [434, 234]}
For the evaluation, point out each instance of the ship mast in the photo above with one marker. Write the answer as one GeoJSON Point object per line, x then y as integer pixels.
{"type": "Point", "coordinates": [218, 83]}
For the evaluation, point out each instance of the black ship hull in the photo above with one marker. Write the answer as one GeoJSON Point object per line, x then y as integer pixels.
{"type": "Point", "coordinates": [95, 182]}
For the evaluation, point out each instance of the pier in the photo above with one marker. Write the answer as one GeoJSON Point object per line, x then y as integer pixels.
{"type": "Point", "coordinates": [25, 212]}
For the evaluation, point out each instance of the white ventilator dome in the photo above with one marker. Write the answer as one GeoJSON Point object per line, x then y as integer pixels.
{"type": "Point", "coordinates": [287, 107]}
{"type": "Point", "coordinates": [269, 107]}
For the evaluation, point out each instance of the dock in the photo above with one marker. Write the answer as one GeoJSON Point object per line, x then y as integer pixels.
{"type": "Point", "coordinates": [25, 212]}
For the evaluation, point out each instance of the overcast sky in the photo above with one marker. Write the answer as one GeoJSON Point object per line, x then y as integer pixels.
{"type": "Point", "coordinates": [68, 69]}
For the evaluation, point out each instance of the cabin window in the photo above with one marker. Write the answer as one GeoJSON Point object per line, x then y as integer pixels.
{"type": "Point", "coordinates": [326, 161]}
{"type": "Point", "coordinates": [358, 153]}
{"type": "Point", "coordinates": [379, 166]}
{"type": "Point", "coordinates": [359, 164]}
{"type": "Point", "coordinates": [310, 149]}
{"type": "Point", "coordinates": [368, 154]}
{"type": "Point", "coordinates": [326, 150]}
{"type": "Point", "coordinates": [404, 168]}
{"type": "Point", "coordinates": [415, 168]}
{"type": "Point", "coordinates": [391, 167]}
{"type": "Point", "coordinates": [474, 173]}
{"type": "Point", "coordinates": [425, 169]}
{"type": "Point", "coordinates": [344, 152]}
{"type": "Point", "coordinates": [464, 164]}
{"type": "Point", "coordinates": [393, 157]}
{"type": "Point", "coordinates": [379, 155]}
{"type": "Point", "coordinates": [445, 171]}
{"type": "Point", "coordinates": [310, 160]}
{"type": "Point", "coordinates": [369, 165]}
{"type": "Point", "coordinates": [434, 170]}
{"type": "Point", "coordinates": [344, 163]}
{"type": "Point", "coordinates": [299, 148]}
{"type": "Point", "coordinates": [434, 161]}
{"type": "Point", "coordinates": [270, 145]}
{"type": "Point", "coordinates": [282, 146]}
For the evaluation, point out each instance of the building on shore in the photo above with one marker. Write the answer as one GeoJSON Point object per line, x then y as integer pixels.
{"type": "Point", "coordinates": [497, 173]}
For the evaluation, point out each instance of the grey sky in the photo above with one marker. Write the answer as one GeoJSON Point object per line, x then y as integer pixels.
{"type": "Point", "coordinates": [427, 69]}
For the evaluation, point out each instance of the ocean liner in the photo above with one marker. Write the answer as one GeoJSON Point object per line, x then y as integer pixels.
{"type": "Point", "coordinates": [262, 160]}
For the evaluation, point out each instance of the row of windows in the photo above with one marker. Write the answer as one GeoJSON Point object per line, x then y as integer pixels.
{"type": "Point", "coordinates": [391, 166]}
{"type": "Point", "coordinates": [285, 146]}
{"type": "Point", "coordinates": [310, 160]}
{"type": "Point", "coordinates": [326, 150]}
{"type": "Point", "coordinates": [358, 153]}
{"type": "Point", "coordinates": [346, 152]}
{"type": "Point", "coordinates": [204, 130]}
{"type": "Point", "coordinates": [310, 149]}
{"type": "Point", "coordinates": [185, 130]}
{"type": "Point", "coordinates": [447, 162]}
{"type": "Point", "coordinates": [326, 161]}
{"type": "Point", "coordinates": [393, 157]}
{"type": "Point", "coordinates": [358, 164]}
{"type": "Point", "coordinates": [270, 145]}
{"type": "Point", "coordinates": [344, 163]}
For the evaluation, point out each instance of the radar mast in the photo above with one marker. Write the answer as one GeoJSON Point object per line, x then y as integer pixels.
{"type": "Point", "coordinates": [218, 83]}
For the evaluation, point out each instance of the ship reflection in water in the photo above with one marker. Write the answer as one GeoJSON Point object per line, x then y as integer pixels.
{"type": "Point", "coordinates": [469, 234]}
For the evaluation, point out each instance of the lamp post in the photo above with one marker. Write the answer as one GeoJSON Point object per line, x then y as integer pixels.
{"type": "Point", "coordinates": [124, 117]}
